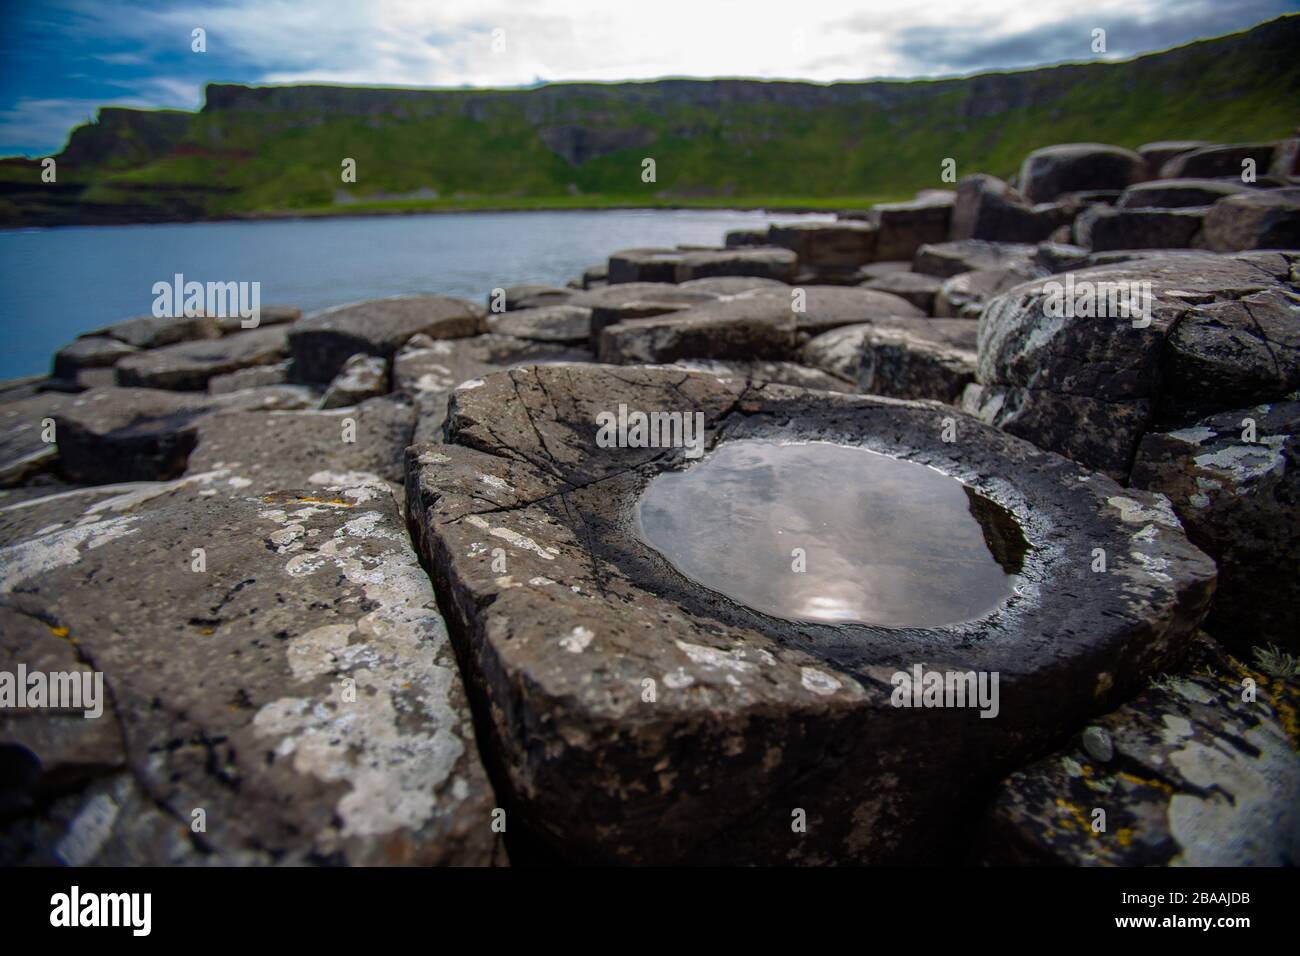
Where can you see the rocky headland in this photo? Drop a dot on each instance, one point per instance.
(369, 586)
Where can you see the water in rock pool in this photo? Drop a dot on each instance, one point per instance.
(885, 541)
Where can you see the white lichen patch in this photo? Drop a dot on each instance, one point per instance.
(1147, 535)
(1251, 792)
(819, 682)
(1153, 566)
(577, 640)
(392, 734)
(678, 679)
(38, 556)
(1196, 435)
(523, 542)
(1132, 511)
(492, 481)
(358, 486)
(88, 832)
(1241, 464)
(735, 659)
(286, 540)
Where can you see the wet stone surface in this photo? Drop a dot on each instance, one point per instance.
(632, 715)
(883, 541)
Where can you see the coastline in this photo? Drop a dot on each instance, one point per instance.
(809, 206)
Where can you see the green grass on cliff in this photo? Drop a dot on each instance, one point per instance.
(755, 152)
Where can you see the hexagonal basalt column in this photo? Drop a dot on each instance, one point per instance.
(633, 714)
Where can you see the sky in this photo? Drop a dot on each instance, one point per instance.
(60, 61)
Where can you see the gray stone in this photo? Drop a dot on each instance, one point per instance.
(428, 371)
(1061, 257)
(738, 238)
(1200, 778)
(1157, 154)
(255, 376)
(752, 718)
(266, 315)
(188, 366)
(528, 297)
(964, 295)
(95, 351)
(726, 286)
(637, 300)
(915, 287)
(755, 327)
(111, 435)
(362, 377)
(1097, 744)
(321, 343)
(681, 265)
(945, 259)
(906, 226)
(553, 323)
(1101, 433)
(1179, 193)
(268, 450)
(1218, 161)
(1089, 387)
(778, 373)
(301, 690)
(878, 270)
(151, 332)
(825, 307)
(1261, 219)
(1072, 167)
(1103, 228)
(827, 246)
(24, 452)
(1238, 502)
(987, 208)
(904, 358)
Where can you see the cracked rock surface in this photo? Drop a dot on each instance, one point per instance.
(561, 616)
(298, 689)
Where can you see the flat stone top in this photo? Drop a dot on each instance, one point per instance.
(391, 318)
(298, 686)
(523, 456)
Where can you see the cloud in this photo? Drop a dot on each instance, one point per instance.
(944, 50)
(138, 51)
(32, 121)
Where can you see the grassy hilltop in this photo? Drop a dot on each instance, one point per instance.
(268, 151)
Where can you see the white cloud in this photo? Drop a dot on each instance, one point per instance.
(415, 43)
(44, 120)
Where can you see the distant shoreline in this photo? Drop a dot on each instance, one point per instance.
(368, 212)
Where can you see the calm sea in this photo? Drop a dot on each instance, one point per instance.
(57, 283)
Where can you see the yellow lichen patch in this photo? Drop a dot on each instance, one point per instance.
(1140, 782)
(1074, 817)
(339, 502)
(1274, 692)
(59, 631)
(1125, 836)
